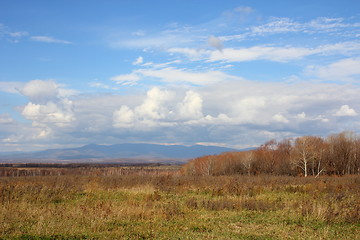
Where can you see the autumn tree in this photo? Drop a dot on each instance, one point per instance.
(344, 153)
(309, 155)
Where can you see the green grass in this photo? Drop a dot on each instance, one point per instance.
(179, 207)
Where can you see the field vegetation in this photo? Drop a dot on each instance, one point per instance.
(306, 188)
(163, 203)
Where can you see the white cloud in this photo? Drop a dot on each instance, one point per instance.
(48, 39)
(328, 24)
(60, 114)
(49, 109)
(40, 90)
(342, 70)
(348, 48)
(270, 53)
(222, 111)
(345, 110)
(246, 109)
(280, 118)
(192, 53)
(321, 118)
(11, 87)
(159, 108)
(123, 118)
(277, 25)
(277, 54)
(174, 75)
(208, 120)
(138, 61)
(191, 106)
(101, 85)
(154, 106)
(126, 79)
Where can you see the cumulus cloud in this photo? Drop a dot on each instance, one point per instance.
(215, 112)
(154, 106)
(345, 110)
(160, 107)
(40, 90)
(260, 104)
(152, 109)
(238, 103)
(246, 109)
(123, 118)
(219, 105)
(48, 108)
(191, 106)
(59, 114)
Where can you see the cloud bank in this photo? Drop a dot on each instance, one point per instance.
(226, 111)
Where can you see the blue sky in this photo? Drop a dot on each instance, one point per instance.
(229, 73)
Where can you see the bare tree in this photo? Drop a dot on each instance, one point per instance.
(305, 153)
(247, 161)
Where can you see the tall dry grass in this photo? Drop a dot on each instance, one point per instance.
(179, 207)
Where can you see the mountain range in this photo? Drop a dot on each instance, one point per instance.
(122, 153)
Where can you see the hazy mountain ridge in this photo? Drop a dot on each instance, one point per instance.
(128, 151)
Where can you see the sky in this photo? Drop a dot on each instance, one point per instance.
(227, 73)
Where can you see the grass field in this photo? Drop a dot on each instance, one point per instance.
(172, 206)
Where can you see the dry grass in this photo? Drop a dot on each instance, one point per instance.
(179, 207)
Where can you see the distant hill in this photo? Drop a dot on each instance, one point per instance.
(129, 152)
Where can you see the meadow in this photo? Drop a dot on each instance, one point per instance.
(163, 203)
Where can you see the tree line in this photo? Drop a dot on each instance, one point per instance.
(337, 154)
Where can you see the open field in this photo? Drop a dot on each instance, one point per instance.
(164, 204)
